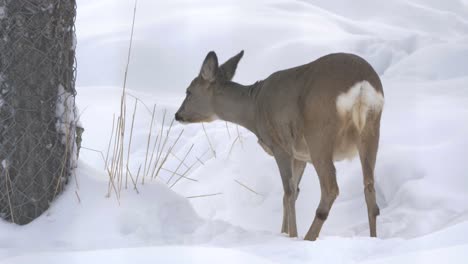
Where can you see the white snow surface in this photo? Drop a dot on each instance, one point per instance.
(420, 50)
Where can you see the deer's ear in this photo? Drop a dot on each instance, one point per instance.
(210, 67)
(229, 67)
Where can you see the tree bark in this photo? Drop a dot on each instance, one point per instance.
(38, 118)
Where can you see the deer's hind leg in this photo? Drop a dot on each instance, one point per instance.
(329, 191)
(368, 146)
(321, 144)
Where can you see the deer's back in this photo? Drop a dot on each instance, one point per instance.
(291, 98)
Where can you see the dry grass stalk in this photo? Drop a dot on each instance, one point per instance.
(111, 181)
(203, 195)
(232, 146)
(118, 157)
(133, 181)
(77, 196)
(76, 180)
(190, 168)
(179, 159)
(167, 154)
(138, 175)
(94, 150)
(247, 187)
(106, 166)
(112, 184)
(199, 160)
(227, 128)
(158, 142)
(110, 172)
(122, 147)
(130, 141)
(148, 145)
(183, 175)
(161, 131)
(209, 141)
(130, 46)
(180, 164)
(152, 155)
(160, 151)
(110, 141)
(139, 100)
(240, 137)
(114, 159)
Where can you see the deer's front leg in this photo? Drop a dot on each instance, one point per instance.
(285, 224)
(298, 167)
(285, 166)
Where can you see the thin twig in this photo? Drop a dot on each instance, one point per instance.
(239, 135)
(160, 151)
(130, 45)
(179, 159)
(227, 128)
(183, 175)
(180, 164)
(246, 187)
(111, 182)
(138, 175)
(94, 150)
(141, 101)
(152, 155)
(199, 160)
(209, 142)
(76, 180)
(167, 154)
(203, 155)
(77, 196)
(232, 146)
(180, 175)
(203, 195)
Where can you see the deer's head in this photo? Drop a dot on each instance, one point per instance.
(198, 106)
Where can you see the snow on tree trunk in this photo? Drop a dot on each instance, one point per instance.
(38, 118)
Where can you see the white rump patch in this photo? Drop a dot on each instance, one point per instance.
(358, 101)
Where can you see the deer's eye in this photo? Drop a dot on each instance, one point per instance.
(188, 93)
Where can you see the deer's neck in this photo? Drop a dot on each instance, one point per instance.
(236, 103)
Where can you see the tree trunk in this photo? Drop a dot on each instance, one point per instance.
(38, 118)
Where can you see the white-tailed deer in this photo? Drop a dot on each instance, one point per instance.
(320, 112)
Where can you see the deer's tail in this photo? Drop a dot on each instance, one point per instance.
(360, 100)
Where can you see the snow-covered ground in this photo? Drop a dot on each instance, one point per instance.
(420, 50)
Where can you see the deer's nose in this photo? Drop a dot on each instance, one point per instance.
(178, 117)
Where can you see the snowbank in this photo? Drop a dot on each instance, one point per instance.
(419, 49)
